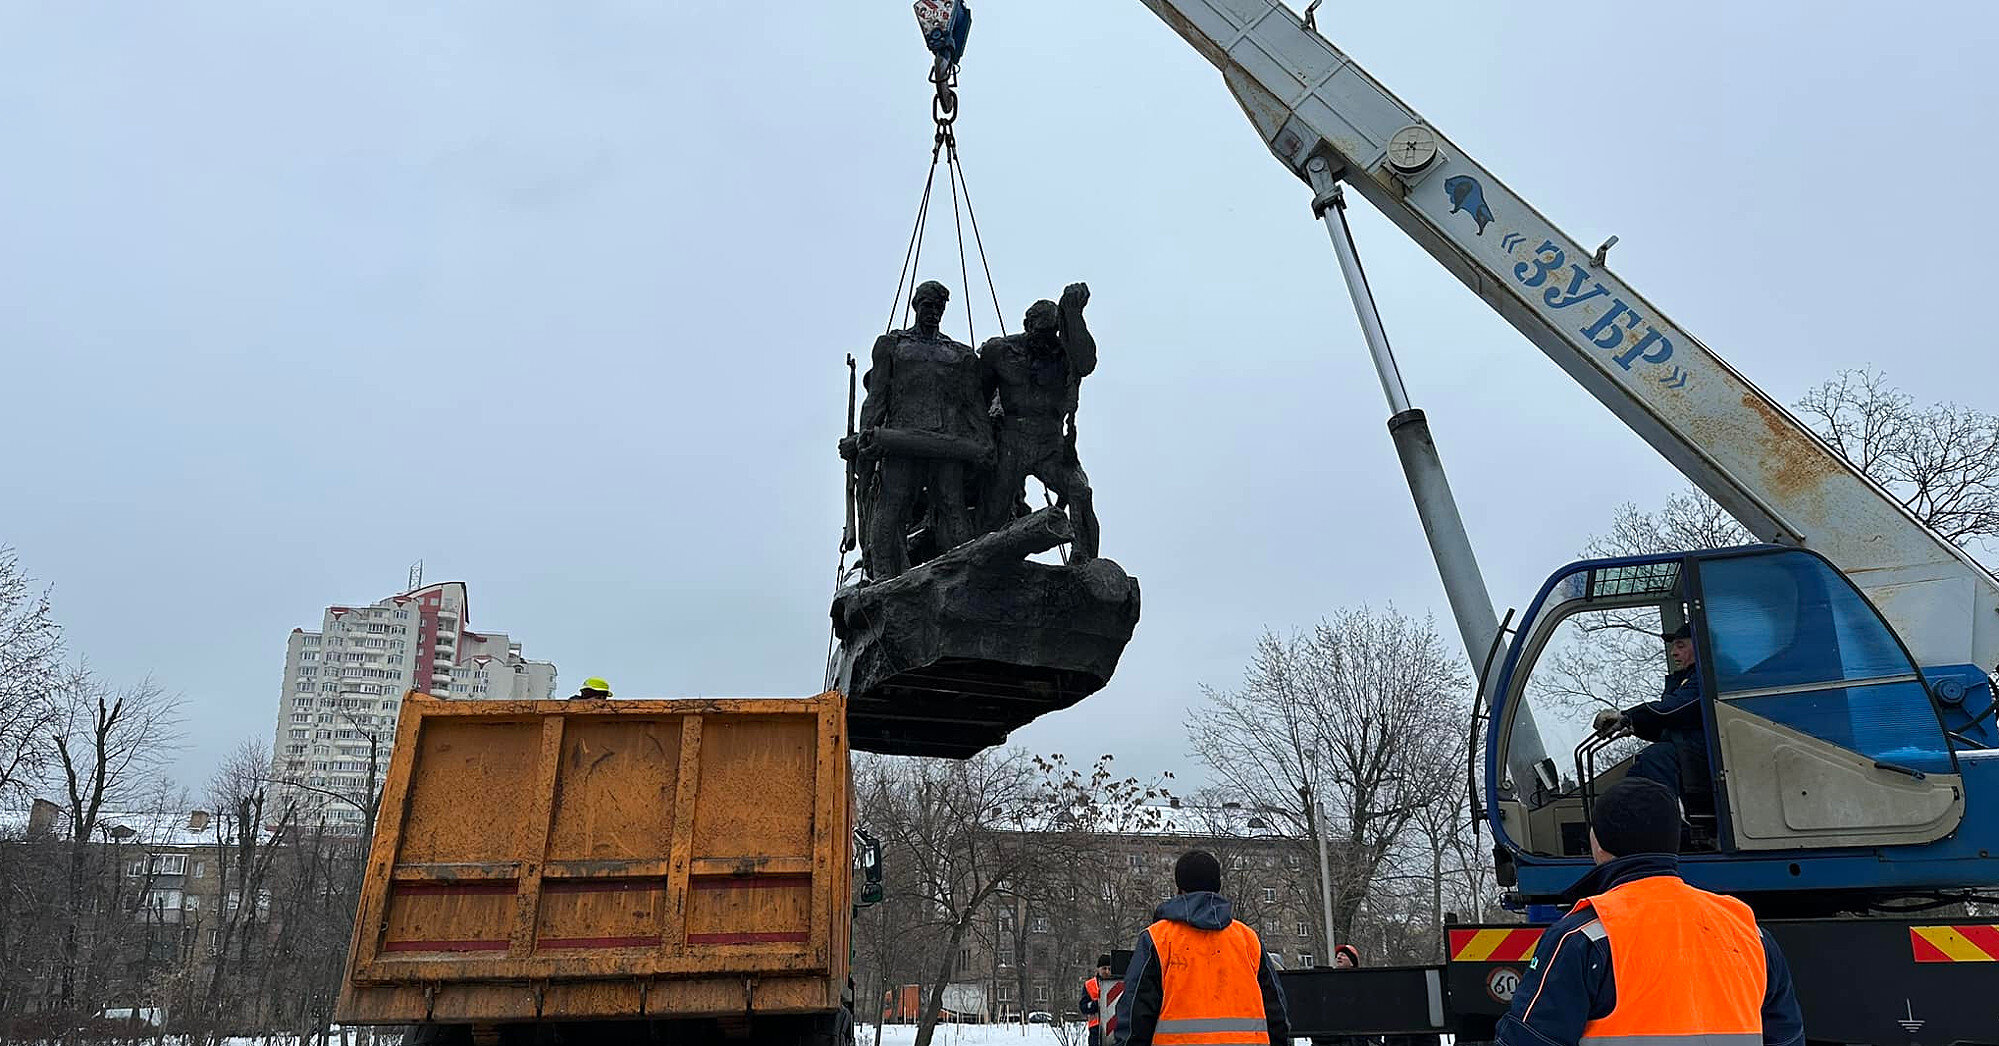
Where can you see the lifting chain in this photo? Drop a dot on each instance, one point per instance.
(944, 104)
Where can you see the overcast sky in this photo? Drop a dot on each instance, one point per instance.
(556, 297)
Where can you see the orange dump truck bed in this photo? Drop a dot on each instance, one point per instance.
(551, 861)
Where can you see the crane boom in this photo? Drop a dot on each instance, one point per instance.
(1309, 101)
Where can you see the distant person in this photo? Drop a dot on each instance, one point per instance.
(593, 689)
(1347, 957)
(1091, 1004)
(1673, 722)
(1198, 977)
(1689, 966)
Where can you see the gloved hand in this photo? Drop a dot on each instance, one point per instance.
(1610, 723)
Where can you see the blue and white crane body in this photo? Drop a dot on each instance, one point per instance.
(1853, 753)
(1324, 117)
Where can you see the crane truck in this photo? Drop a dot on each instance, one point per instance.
(1852, 779)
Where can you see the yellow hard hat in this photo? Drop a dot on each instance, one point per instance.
(594, 683)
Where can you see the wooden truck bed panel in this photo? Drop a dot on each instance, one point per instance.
(689, 851)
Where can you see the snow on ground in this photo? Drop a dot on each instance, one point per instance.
(976, 1035)
(892, 1035)
(994, 1035)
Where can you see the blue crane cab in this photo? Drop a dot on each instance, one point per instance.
(1837, 771)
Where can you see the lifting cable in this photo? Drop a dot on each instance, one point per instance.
(944, 147)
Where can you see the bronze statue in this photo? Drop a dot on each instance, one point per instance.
(956, 635)
(1037, 374)
(923, 430)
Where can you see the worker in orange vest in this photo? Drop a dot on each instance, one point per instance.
(1648, 959)
(1092, 1002)
(1197, 976)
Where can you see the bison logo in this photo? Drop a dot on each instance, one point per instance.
(1466, 195)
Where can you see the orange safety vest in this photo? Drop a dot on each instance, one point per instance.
(1688, 965)
(1209, 995)
(1095, 993)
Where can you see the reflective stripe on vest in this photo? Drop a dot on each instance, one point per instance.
(1209, 995)
(1688, 964)
(1739, 1039)
(1096, 995)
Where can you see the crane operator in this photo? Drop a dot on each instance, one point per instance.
(1672, 723)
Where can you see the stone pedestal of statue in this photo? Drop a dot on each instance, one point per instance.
(948, 657)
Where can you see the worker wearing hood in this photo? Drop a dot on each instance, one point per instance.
(1198, 977)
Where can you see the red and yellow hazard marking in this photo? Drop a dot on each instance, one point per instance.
(1494, 944)
(1962, 942)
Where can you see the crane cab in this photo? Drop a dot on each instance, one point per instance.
(1816, 734)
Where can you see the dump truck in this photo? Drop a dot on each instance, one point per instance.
(592, 870)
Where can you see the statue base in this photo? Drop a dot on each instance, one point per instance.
(949, 657)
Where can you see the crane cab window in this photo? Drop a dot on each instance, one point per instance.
(1591, 645)
(1795, 644)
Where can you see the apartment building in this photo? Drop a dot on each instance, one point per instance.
(344, 684)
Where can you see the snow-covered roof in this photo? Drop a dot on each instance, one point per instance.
(136, 828)
(1227, 820)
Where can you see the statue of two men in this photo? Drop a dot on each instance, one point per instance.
(948, 437)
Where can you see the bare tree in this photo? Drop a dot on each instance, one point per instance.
(314, 880)
(1083, 888)
(895, 941)
(109, 746)
(246, 844)
(30, 670)
(964, 829)
(1454, 867)
(1687, 522)
(31, 892)
(1941, 461)
(1366, 714)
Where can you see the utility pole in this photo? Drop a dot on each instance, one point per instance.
(1325, 866)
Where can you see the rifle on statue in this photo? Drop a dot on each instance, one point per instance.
(848, 536)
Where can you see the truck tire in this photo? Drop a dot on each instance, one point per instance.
(834, 1029)
(439, 1035)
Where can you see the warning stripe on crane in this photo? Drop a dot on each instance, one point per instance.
(1494, 944)
(1956, 943)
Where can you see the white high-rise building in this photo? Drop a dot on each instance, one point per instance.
(344, 684)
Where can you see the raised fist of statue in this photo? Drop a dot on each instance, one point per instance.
(1075, 295)
(850, 446)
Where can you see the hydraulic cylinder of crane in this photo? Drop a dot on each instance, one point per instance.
(1450, 546)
